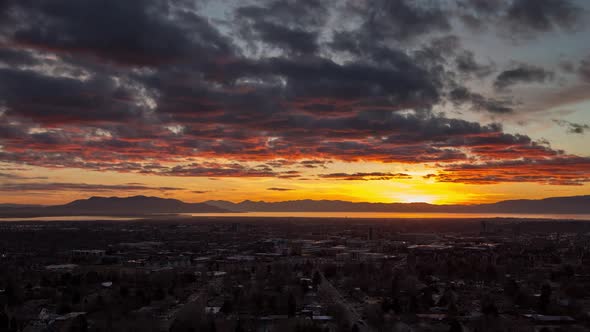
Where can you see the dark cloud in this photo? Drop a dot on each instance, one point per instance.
(322, 78)
(467, 65)
(364, 136)
(529, 16)
(220, 170)
(567, 66)
(52, 99)
(289, 175)
(63, 186)
(134, 32)
(483, 7)
(573, 128)
(363, 176)
(429, 176)
(517, 19)
(292, 40)
(401, 20)
(478, 102)
(584, 69)
(562, 170)
(10, 131)
(522, 74)
(301, 13)
(279, 189)
(292, 26)
(11, 57)
(11, 176)
(314, 163)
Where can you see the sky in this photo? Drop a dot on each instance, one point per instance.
(445, 102)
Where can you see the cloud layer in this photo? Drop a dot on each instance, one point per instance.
(275, 88)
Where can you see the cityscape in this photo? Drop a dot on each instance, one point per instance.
(294, 165)
(272, 274)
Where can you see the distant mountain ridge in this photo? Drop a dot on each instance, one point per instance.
(112, 206)
(557, 205)
(136, 204)
(10, 205)
(145, 205)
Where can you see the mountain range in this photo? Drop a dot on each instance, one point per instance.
(144, 205)
(113, 206)
(556, 205)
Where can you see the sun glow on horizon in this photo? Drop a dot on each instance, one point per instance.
(413, 190)
(409, 198)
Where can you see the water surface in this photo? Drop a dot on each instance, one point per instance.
(392, 215)
(351, 215)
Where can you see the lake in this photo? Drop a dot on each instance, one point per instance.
(391, 215)
(351, 215)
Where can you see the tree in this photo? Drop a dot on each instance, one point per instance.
(488, 307)
(4, 321)
(63, 307)
(13, 323)
(426, 298)
(180, 325)
(226, 307)
(386, 305)
(212, 327)
(491, 272)
(291, 305)
(124, 291)
(159, 294)
(394, 285)
(239, 327)
(511, 288)
(568, 271)
(92, 277)
(76, 296)
(317, 279)
(455, 326)
(80, 324)
(12, 293)
(545, 298)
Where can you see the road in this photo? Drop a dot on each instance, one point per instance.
(186, 308)
(352, 314)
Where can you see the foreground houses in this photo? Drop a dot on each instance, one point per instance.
(316, 275)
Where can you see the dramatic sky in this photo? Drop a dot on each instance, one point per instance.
(450, 101)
